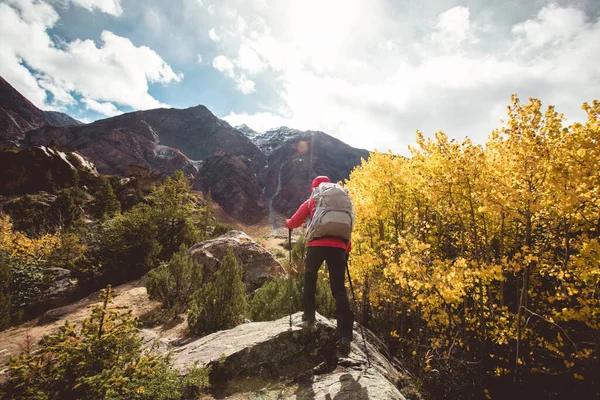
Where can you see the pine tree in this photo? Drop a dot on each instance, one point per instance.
(206, 215)
(220, 304)
(65, 210)
(103, 359)
(105, 204)
(174, 212)
(174, 282)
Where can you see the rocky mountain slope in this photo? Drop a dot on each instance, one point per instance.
(195, 131)
(60, 119)
(113, 149)
(41, 169)
(295, 157)
(17, 114)
(249, 174)
(232, 182)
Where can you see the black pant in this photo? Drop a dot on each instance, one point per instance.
(336, 262)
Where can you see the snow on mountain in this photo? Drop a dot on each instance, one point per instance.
(270, 140)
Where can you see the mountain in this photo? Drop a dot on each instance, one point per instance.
(249, 173)
(17, 114)
(296, 157)
(113, 150)
(195, 131)
(246, 130)
(232, 182)
(163, 140)
(60, 119)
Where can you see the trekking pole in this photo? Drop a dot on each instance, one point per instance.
(362, 327)
(290, 272)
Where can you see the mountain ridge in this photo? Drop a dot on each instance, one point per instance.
(269, 172)
(60, 119)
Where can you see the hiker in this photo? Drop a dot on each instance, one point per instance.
(331, 243)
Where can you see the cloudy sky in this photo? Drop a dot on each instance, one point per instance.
(368, 72)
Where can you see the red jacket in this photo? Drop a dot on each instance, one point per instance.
(308, 208)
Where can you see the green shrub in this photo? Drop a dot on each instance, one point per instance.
(174, 282)
(271, 301)
(137, 240)
(27, 281)
(103, 359)
(66, 210)
(128, 243)
(221, 228)
(279, 253)
(299, 253)
(323, 298)
(220, 304)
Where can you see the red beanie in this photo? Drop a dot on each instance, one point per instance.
(317, 181)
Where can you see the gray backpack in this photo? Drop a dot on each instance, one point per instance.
(334, 213)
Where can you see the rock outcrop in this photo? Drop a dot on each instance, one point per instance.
(17, 114)
(41, 168)
(304, 357)
(62, 289)
(257, 263)
(113, 150)
(232, 182)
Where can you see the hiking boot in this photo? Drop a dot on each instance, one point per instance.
(344, 347)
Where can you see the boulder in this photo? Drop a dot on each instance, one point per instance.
(257, 263)
(274, 352)
(62, 289)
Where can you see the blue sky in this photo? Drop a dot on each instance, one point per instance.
(369, 73)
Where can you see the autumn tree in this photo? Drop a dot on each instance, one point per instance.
(486, 254)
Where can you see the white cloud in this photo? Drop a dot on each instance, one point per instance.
(225, 66)
(248, 60)
(116, 71)
(241, 24)
(199, 58)
(453, 28)
(213, 35)
(211, 9)
(385, 71)
(245, 85)
(105, 108)
(553, 25)
(152, 20)
(112, 7)
(222, 64)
